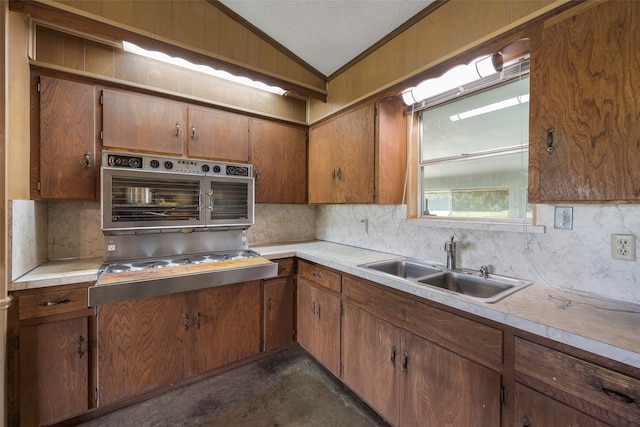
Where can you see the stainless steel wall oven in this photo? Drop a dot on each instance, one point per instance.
(157, 192)
(173, 225)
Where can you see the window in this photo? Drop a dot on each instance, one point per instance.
(474, 149)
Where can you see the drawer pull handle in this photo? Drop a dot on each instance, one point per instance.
(63, 300)
(526, 422)
(80, 346)
(316, 275)
(615, 395)
(393, 355)
(405, 362)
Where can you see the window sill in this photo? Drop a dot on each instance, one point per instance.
(512, 227)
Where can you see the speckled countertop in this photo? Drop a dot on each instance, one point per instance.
(604, 327)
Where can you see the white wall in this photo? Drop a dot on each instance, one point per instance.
(578, 259)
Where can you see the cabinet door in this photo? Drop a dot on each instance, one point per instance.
(278, 313)
(583, 76)
(327, 331)
(371, 356)
(279, 155)
(67, 137)
(535, 409)
(225, 325)
(306, 315)
(141, 346)
(214, 134)
(137, 122)
(342, 158)
(441, 388)
(54, 367)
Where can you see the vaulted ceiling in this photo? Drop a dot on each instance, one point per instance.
(326, 34)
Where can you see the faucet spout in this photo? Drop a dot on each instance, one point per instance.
(450, 249)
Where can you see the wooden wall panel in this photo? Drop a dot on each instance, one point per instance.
(153, 16)
(98, 58)
(187, 22)
(211, 41)
(455, 26)
(119, 10)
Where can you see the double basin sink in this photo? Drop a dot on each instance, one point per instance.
(467, 283)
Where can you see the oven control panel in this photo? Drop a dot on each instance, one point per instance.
(174, 164)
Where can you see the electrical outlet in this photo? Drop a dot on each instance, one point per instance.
(623, 247)
(283, 222)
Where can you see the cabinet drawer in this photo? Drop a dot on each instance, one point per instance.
(599, 386)
(51, 302)
(320, 276)
(285, 267)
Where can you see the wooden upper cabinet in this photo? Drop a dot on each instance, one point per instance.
(66, 165)
(359, 156)
(585, 113)
(214, 134)
(143, 123)
(279, 157)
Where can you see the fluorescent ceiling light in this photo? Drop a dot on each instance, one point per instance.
(456, 77)
(517, 100)
(205, 69)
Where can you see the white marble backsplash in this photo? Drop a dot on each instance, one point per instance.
(282, 223)
(576, 259)
(27, 236)
(74, 230)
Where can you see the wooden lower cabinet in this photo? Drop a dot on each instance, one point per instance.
(141, 346)
(278, 309)
(533, 409)
(318, 324)
(227, 325)
(149, 343)
(411, 381)
(54, 371)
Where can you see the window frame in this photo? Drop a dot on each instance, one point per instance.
(511, 72)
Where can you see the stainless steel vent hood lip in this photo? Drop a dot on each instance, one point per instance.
(136, 289)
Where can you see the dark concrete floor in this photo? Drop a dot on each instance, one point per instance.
(285, 389)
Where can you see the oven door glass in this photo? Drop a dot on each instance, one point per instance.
(230, 201)
(140, 199)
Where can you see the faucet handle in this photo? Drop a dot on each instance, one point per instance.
(484, 271)
(450, 246)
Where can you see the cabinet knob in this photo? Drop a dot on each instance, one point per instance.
(526, 422)
(193, 132)
(177, 128)
(185, 320)
(405, 361)
(87, 160)
(269, 304)
(393, 355)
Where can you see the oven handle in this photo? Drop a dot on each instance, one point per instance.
(210, 205)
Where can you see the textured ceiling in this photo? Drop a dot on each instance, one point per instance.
(327, 34)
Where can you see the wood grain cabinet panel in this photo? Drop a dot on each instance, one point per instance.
(599, 391)
(50, 356)
(359, 156)
(150, 343)
(535, 409)
(411, 381)
(318, 323)
(225, 325)
(320, 276)
(141, 346)
(143, 123)
(278, 309)
(585, 120)
(54, 371)
(219, 135)
(67, 139)
(279, 157)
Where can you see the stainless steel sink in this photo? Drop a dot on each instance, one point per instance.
(483, 289)
(403, 268)
(466, 283)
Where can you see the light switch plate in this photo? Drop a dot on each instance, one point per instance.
(564, 218)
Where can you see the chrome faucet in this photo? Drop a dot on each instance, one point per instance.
(450, 249)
